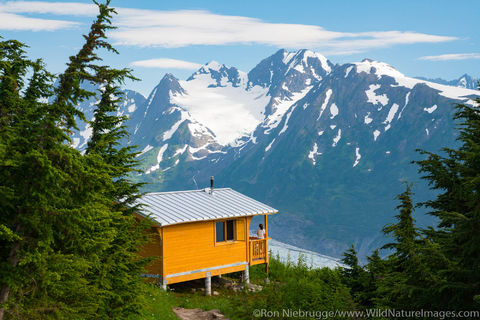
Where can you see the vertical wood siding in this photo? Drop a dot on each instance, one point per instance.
(192, 246)
(153, 249)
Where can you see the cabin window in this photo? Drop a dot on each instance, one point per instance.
(220, 231)
(229, 231)
(225, 230)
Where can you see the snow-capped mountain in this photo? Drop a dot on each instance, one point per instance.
(328, 145)
(464, 81)
(288, 76)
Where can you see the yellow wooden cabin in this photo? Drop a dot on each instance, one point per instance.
(203, 233)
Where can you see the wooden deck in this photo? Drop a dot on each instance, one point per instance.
(258, 251)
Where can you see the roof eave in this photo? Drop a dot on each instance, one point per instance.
(214, 219)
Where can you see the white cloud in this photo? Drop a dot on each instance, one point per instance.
(196, 27)
(166, 63)
(170, 29)
(9, 21)
(451, 56)
(363, 41)
(57, 8)
(181, 28)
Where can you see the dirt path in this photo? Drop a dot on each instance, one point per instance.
(198, 314)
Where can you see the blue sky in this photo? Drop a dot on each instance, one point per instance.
(419, 38)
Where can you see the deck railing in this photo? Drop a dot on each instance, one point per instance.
(258, 249)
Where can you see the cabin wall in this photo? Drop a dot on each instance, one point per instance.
(248, 221)
(190, 248)
(153, 249)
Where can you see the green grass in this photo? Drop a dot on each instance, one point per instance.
(159, 304)
(225, 302)
(293, 285)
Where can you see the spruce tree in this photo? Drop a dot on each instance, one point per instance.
(354, 276)
(352, 270)
(62, 213)
(121, 267)
(13, 68)
(405, 279)
(375, 270)
(455, 174)
(53, 223)
(404, 231)
(362, 281)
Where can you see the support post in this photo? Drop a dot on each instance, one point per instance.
(208, 284)
(267, 281)
(246, 274)
(265, 225)
(266, 249)
(164, 283)
(266, 238)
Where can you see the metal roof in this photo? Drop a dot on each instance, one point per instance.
(167, 208)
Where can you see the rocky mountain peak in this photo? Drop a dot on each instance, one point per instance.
(271, 70)
(168, 83)
(378, 68)
(219, 75)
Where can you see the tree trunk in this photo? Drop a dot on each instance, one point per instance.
(5, 291)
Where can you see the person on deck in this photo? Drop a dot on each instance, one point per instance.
(260, 232)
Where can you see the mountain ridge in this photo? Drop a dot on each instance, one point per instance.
(326, 144)
(464, 81)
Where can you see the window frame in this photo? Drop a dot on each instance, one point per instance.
(226, 241)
